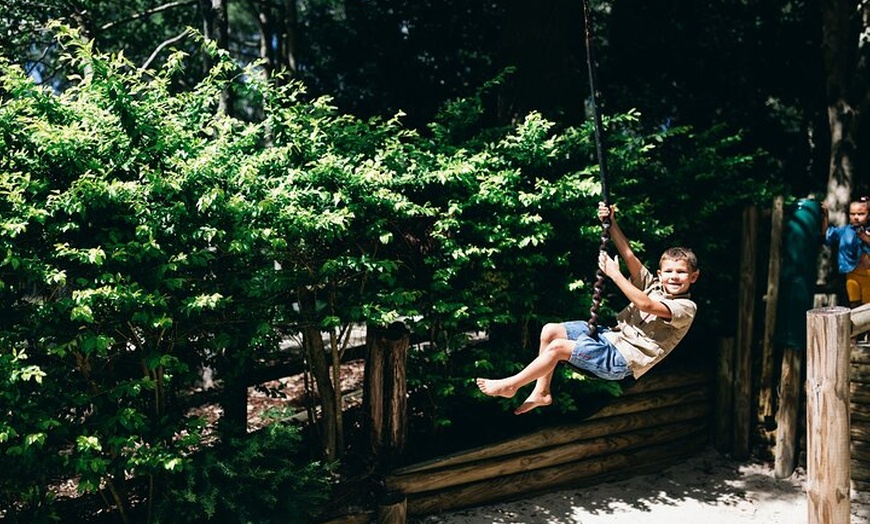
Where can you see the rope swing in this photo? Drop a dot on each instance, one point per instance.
(598, 288)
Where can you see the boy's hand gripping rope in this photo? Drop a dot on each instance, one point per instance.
(602, 170)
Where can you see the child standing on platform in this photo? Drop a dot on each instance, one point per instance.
(853, 250)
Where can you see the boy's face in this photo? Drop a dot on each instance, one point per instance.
(676, 276)
(858, 213)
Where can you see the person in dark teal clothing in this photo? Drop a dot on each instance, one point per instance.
(853, 250)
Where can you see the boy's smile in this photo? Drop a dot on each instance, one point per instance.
(676, 276)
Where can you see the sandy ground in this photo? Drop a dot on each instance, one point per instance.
(707, 489)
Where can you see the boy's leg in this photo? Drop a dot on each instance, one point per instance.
(552, 351)
(540, 396)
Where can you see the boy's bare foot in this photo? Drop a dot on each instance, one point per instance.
(535, 400)
(495, 388)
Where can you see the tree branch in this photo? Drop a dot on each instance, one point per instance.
(164, 44)
(147, 13)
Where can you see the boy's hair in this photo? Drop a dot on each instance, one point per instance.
(861, 200)
(681, 253)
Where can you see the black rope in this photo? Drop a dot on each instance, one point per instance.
(598, 288)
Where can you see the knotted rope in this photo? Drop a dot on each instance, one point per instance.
(598, 288)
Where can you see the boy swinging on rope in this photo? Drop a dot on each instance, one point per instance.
(659, 315)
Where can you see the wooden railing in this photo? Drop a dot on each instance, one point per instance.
(860, 319)
(830, 332)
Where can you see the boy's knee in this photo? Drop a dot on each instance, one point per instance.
(552, 331)
(559, 349)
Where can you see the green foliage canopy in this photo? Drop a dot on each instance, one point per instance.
(144, 235)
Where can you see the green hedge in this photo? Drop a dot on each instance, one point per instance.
(144, 235)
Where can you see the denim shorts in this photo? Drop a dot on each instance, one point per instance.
(598, 356)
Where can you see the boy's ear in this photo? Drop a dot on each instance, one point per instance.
(694, 276)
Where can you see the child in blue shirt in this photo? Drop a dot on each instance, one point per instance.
(853, 250)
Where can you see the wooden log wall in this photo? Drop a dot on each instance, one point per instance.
(860, 417)
(859, 406)
(662, 419)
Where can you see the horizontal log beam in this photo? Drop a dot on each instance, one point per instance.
(660, 380)
(641, 403)
(859, 412)
(860, 319)
(860, 430)
(621, 407)
(582, 472)
(859, 373)
(860, 354)
(860, 451)
(859, 393)
(539, 459)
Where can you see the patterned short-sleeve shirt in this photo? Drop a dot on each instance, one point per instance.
(644, 339)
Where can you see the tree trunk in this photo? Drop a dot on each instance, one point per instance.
(846, 92)
(234, 402)
(287, 39)
(312, 341)
(215, 22)
(216, 28)
(277, 27)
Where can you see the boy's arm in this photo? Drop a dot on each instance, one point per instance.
(620, 242)
(642, 301)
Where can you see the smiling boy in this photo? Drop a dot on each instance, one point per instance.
(647, 330)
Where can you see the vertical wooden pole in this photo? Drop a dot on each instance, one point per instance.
(745, 327)
(393, 509)
(768, 364)
(785, 453)
(723, 438)
(397, 341)
(828, 439)
(373, 391)
(385, 391)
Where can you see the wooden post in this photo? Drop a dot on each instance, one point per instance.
(373, 391)
(787, 414)
(393, 509)
(723, 438)
(397, 341)
(745, 325)
(768, 364)
(385, 402)
(828, 439)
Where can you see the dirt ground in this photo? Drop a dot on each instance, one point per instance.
(707, 489)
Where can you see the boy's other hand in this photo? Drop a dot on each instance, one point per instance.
(605, 211)
(610, 266)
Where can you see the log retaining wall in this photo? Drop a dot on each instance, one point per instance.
(860, 418)
(659, 421)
